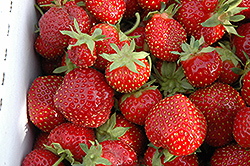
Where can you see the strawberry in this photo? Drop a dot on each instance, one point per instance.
(241, 127)
(132, 7)
(103, 46)
(151, 5)
(58, 19)
(81, 49)
(119, 128)
(246, 12)
(201, 64)
(46, 50)
(164, 34)
(244, 91)
(171, 78)
(127, 70)
(229, 61)
(242, 43)
(41, 139)
(41, 157)
(219, 103)
(230, 155)
(140, 41)
(208, 18)
(106, 11)
(41, 109)
(155, 156)
(177, 125)
(84, 97)
(135, 106)
(109, 152)
(69, 135)
(49, 65)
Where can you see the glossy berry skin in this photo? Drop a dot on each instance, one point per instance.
(219, 103)
(241, 130)
(81, 55)
(136, 106)
(187, 160)
(118, 153)
(103, 46)
(227, 76)
(231, 155)
(41, 139)
(69, 135)
(46, 50)
(106, 11)
(245, 90)
(194, 12)
(163, 35)
(141, 40)
(177, 125)
(123, 80)
(84, 97)
(202, 69)
(242, 43)
(135, 136)
(58, 19)
(41, 109)
(40, 157)
(151, 5)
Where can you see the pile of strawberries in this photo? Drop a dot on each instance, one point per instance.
(142, 82)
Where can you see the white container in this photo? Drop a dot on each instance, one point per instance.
(18, 68)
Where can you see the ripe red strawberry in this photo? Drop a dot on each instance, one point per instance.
(69, 135)
(41, 109)
(246, 12)
(58, 19)
(127, 70)
(177, 125)
(245, 92)
(84, 97)
(132, 7)
(231, 155)
(229, 61)
(119, 128)
(41, 157)
(141, 44)
(109, 152)
(155, 156)
(151, 5)
(135, 106)
(171, 78)
(242, 43)
(46, 50)
(164, 34)
(241, 127)
(208, 18)
(106, 11)
(103, 46)
(41, 139)
(81, 49)
(201, 64)
(219, 103)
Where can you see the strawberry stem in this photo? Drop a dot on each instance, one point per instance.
(138, 20)
(59, 160)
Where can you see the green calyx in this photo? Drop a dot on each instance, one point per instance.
(125, 57)
(193, 48)
(108, 131)
(69, 66)
(226, 53)
(93, 155)
(226, 14)
(83, 38)
(57, 149)
(171, 80)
